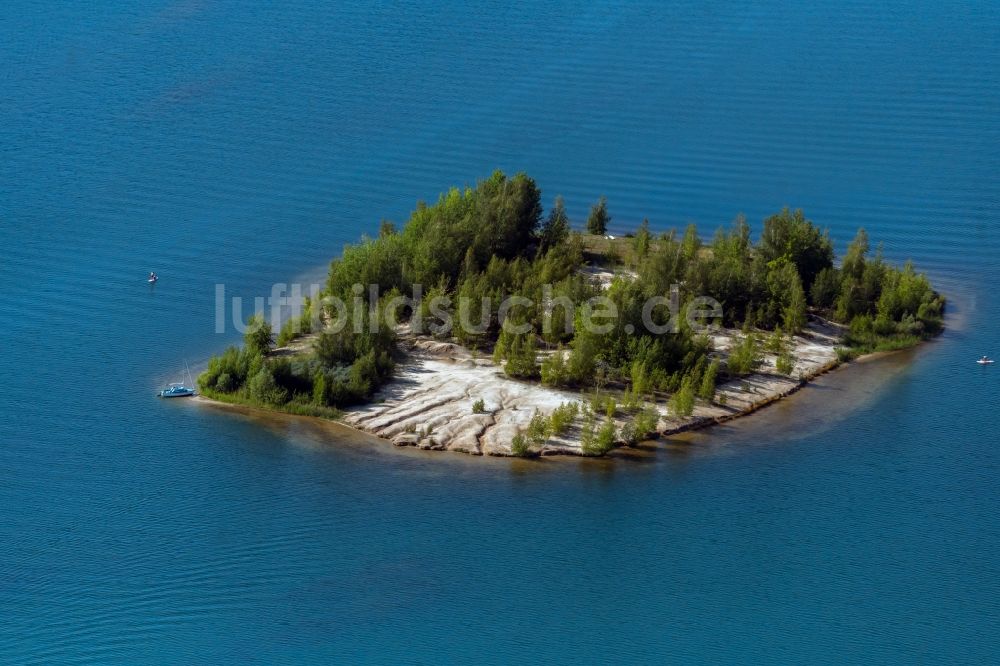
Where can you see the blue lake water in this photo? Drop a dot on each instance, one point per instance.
(245, 143)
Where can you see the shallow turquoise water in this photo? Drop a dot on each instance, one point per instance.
(219, 143)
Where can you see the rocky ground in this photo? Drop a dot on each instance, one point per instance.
(430, 402)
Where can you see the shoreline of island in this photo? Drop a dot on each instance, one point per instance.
(427, 350)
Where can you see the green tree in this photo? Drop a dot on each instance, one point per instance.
(263, 389)
(502, 348)
(786, 303)
(691, 243)
(825, 288)
(507, 213)
(853, 266)
(521, 357)
(554, 371)
(321, 392)
(335, 348)
(642, 240)
(226, 383)
(707, 389)
(471, 294)
(641, 380)
(583, 359)
(853, 299)
(681, 403)
(363, 376)
(556, 229)
(598, 220)
(794, 314)
(789, 234)
(259, 336)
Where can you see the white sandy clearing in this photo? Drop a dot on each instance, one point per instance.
(429, 403)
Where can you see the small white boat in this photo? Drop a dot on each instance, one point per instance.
(986, 360)
(152, 278)
(177, 391)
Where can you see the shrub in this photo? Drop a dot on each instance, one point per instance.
(605, 439)
(226, 383)
(844, 354)
(479, 407)
(239, 364)
(296, 377)
(562, 417)
(631, 402)
(263, 389)
(587, 435)
(785, 364)
(520, 353)
(745, 356)
(293, 328)
(640, 427)
(519, 446)
(628, 434)
(640, 375)
(775, 342)
(603, 404)
(681, 403)
(645, 422)
(321, 392)
(538, 429)
(554, 370)
(288, 332)
(611, 256)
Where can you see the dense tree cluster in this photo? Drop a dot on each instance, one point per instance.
(480, 245)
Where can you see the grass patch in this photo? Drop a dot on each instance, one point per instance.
(882, 344)
(292, 407)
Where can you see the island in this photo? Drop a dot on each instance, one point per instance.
(486, 326)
